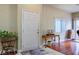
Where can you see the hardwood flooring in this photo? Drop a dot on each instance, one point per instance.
(68, 47)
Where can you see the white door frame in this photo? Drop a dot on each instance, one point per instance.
(38, 24)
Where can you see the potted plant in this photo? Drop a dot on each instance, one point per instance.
(6, 35)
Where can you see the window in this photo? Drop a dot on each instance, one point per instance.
(57, 25)
(60, 25)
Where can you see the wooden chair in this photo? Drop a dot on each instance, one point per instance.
(68, 34)
(78, 32)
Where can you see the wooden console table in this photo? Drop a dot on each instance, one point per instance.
(52, 36)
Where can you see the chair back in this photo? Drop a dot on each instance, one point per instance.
(68, 34)
(78, 32)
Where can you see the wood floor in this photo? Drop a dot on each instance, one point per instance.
(68, 47)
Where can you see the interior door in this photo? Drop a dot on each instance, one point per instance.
(30, 29)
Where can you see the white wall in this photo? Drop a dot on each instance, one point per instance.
(4, 17)
(8, 17)
(13, 18)
(49, 15)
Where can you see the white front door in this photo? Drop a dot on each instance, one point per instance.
(30, 28)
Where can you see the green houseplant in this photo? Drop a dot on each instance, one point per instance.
(6, 35)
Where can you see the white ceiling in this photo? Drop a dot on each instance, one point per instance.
(68, 7)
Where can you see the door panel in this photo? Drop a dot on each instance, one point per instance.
(30, 26)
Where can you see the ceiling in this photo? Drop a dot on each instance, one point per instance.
(68, 7)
